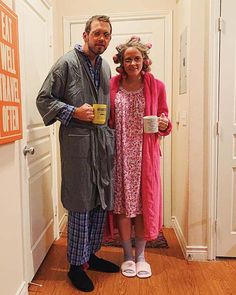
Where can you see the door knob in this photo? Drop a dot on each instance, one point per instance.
(28, 150)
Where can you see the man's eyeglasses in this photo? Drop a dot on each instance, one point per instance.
(136, 59)
(98, 34)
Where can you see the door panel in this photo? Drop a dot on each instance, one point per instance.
(35, 58)
(226, 205)
(155, 29)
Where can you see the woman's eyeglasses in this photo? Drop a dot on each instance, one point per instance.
(136, 59)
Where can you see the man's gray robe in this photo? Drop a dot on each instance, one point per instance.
(86, 149)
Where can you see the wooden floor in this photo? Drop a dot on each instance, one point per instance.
(172, 274)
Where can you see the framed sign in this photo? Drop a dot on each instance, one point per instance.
(10, 90)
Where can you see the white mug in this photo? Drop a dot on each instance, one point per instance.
(150, 124)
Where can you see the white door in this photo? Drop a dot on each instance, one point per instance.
(34, 18)
(226, 204)
(153, 28)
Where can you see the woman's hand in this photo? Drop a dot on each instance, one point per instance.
(163, 122)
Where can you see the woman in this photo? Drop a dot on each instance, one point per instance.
(135, 93)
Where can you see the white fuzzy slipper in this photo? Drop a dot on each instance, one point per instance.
(128, 268)
(143, 269)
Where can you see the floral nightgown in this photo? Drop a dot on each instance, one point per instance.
(129, 112)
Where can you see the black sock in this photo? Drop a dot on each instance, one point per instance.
(80, 279)
(99, 264)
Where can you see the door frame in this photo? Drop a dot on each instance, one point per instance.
(213, 115)
(167, 16)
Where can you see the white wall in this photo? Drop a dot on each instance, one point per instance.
(197, 202)
(189, 187)
(11, 246)
(180, 133)
(11, 251)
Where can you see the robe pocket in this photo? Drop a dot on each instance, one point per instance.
(110, 140)
(110, 145)
(78, 141)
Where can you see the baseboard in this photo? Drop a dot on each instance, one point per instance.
(23, 290)
(63, 223)
(179, 234)
(194, 253)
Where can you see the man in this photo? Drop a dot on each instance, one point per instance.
(79, 79)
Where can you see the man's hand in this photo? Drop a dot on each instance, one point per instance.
(84, 113)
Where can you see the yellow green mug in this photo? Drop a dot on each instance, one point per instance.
(100, 112)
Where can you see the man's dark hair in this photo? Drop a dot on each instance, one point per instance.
(102, 18)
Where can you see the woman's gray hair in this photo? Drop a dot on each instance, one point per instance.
(134, 42)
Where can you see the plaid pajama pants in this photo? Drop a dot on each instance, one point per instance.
(85, 233)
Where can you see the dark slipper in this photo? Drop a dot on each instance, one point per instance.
(80, 280)
(102, 265)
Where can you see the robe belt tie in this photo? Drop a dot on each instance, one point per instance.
(101, 158)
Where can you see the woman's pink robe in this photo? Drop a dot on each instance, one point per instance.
(155, 104)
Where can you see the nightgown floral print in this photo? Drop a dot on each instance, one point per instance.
(129, 112)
